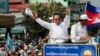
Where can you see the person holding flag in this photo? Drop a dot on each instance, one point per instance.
(93, 13)
(79, 30)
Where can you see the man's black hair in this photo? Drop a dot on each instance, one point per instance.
(57, 14)
(83, 20)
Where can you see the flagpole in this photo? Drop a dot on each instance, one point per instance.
(85, 6)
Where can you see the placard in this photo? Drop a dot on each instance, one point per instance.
(69, 50)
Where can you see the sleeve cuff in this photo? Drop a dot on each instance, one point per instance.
(76, 39)
(37, 19)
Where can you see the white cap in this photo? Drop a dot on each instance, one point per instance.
(84, 17)
(50, 18)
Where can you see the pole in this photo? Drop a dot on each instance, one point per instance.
(85, 6)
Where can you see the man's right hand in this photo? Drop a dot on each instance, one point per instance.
(85, 38)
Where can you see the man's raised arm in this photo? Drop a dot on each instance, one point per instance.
(40, 21)
(66, 21)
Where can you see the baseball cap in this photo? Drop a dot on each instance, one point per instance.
(84, 17)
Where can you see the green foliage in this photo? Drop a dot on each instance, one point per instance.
(45, 11)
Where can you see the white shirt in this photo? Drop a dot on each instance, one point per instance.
(56, 31)
(77, 30)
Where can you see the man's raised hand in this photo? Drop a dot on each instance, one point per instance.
(68, 10)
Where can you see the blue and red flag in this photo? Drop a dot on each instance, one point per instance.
(94, 15)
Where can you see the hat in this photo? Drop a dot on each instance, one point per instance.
(84, 17)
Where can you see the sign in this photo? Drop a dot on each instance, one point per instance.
(69, 50)
(6, 21)
(4, 6)
(16, 6)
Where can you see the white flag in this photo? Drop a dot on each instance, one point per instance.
(28, 11)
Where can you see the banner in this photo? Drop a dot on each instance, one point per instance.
(69, 50)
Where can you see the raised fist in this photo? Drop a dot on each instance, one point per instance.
(68, 10)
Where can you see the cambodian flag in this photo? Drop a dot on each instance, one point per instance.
(94, 15)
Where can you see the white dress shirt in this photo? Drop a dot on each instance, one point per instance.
(78, 31)
(56, 31)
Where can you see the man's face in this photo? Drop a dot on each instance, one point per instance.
(83, 22)
(57, 19)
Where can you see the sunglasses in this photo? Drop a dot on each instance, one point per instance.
(83, 20)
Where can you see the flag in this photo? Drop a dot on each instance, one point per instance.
(94, 15)
(10, 44)
(28, 12)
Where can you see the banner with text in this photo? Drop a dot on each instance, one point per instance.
(69, 50)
